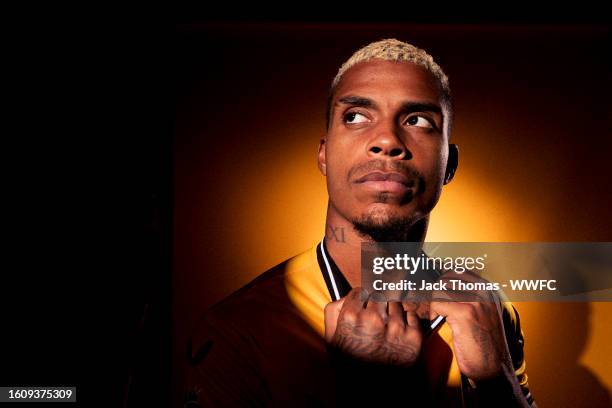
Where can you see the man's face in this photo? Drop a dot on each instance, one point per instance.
(385, 152)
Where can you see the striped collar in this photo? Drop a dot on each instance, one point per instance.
(336, 283)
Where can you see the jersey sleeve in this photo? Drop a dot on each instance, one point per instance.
(516, 343)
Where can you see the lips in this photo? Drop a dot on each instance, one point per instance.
(391, 177)
(389, 182)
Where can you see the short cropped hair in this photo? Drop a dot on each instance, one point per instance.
(395, 50)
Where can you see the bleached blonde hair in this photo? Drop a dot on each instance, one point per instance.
(392, 49)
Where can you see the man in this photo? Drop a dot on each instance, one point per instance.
(304, 333)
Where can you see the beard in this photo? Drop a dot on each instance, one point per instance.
(384, 228)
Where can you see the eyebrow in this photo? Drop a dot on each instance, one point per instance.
(357, 101)
(407, 107)
(410, 107)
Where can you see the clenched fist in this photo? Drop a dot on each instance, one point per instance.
(478, 331)
(374, 331)
(475, 318)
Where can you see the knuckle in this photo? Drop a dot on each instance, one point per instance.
(349, 315)
(394, 328)
(409, 306)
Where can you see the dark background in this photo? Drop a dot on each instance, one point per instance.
(105, 120)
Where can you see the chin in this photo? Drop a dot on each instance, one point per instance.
(384, 213)
(388, 223)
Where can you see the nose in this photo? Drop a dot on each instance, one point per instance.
(387, 143)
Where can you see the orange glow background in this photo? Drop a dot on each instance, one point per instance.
(532, 124)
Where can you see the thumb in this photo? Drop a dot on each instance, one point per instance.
(332, 311)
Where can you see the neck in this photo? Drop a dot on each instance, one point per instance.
(343, 243)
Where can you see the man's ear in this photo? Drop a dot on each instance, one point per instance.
(453, 162)
(321, 158)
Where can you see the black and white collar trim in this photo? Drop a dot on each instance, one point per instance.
(336, 283)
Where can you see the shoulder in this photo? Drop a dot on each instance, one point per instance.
(257, 307)
(238, 339)
(235, 312)
(225, 357)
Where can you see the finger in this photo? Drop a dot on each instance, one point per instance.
(347, 308)
(437, 308)
(464, 280)
(377, 303)
(332, 314)
(453, 311)
(441, 296)
(333, 309)
(354, 300)
(413, 321)
(396, 313)
(356, 295)
(410, 306)
(484, 309)
(422, 310)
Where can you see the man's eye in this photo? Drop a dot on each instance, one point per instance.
(419, 121)
(354, 117)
